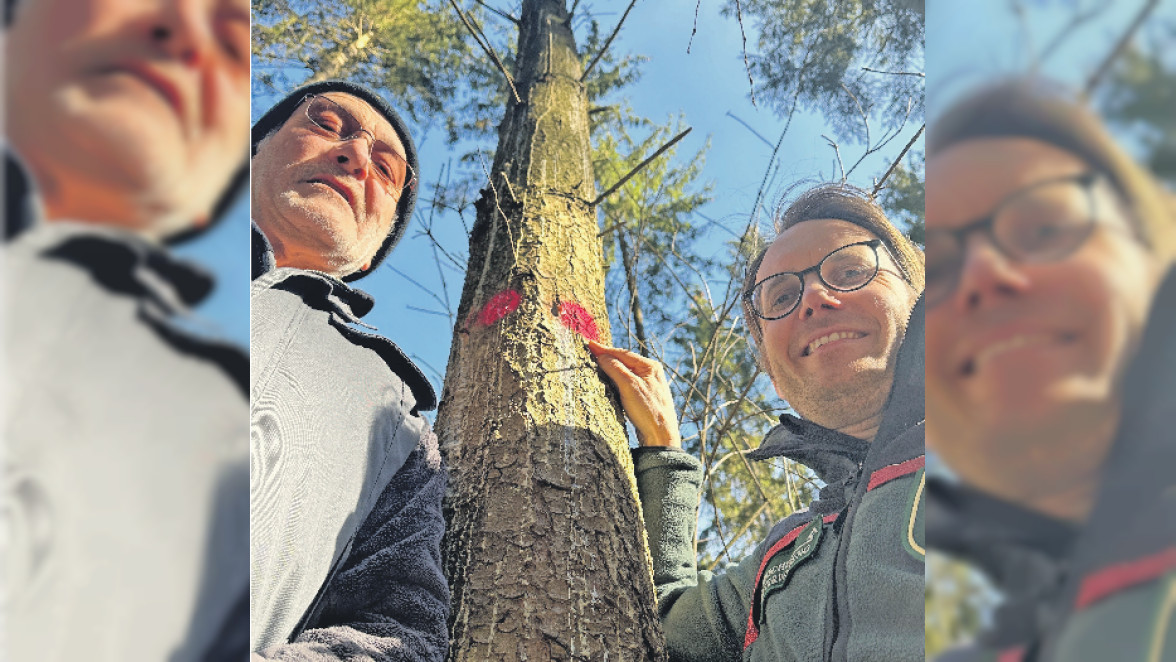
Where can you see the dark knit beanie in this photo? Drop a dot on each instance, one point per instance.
(277, 115)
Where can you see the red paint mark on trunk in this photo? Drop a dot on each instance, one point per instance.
(500, 305)
(573, 316)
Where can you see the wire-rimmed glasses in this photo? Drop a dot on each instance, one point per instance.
(336, 123)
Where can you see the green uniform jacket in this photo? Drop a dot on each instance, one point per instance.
(842, 580)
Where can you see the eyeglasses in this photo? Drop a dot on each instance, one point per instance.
(335, 123)
(846, 269)
(1043, 222)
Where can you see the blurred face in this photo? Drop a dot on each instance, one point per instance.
(1025, 357)
(131, 113)
(319, 200)
(832, 358)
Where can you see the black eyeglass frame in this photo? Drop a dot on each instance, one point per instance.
(411, 176)
(749, 295)
(987, 225)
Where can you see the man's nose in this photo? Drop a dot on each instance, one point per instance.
(183, 29)
(354, 155)
(986, 276)
(817, 297)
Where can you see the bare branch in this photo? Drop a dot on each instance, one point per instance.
(878, 186)
(1120, 46)
(746, 65)
(748, 127)
(501, 13)
(896, 73)
(837, 153)
(1074, 23)
(737, 536)
(641, 165)
(694, 30)
(479, 37)
(607, 42)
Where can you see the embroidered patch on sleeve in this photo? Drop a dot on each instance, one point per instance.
(913, 535)
(780, 567)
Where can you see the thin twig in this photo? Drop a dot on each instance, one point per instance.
(896, 73)
(746, 65)
(1074, 23)
(486, 47)
(1097, 77)
(878, 186)
(607, 42)
(837, 153)
(737, 536)
(693, 31)
(501, 13)
(641, 165)
(748, 127)
(886, 139)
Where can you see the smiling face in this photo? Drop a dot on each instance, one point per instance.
(1025, 359)
(832, 358)
(317, 199)
(130, 112)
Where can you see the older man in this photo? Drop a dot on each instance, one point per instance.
(125, 477)
(829, 304)
(346, 478)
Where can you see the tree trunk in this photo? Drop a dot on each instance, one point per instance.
(545, 548)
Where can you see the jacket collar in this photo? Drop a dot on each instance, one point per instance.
(317, 288)
(22, 206)
(126, 263)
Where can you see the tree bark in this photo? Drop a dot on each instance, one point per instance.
(545, 548)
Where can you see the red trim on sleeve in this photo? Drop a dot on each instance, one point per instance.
(752, 630)
(1012, 655)
(887, 474)
(1102, 583)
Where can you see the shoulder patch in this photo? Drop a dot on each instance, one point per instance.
(794, 548)
(780, 566)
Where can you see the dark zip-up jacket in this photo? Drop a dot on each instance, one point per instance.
(842, 580)
(1104, 590)
(125, 465)
(346, 480)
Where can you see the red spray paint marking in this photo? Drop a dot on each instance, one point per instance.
(500, 305)
(573, 316)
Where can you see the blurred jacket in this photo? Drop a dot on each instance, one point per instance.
(1104, 590)
(125, 467)
(346, 482)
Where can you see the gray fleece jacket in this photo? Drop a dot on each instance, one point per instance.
(346, 482)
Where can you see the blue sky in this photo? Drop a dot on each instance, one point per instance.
(703, 87)
(967, 42)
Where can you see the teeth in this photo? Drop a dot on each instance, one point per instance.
(840, 335)
(1015, 342)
